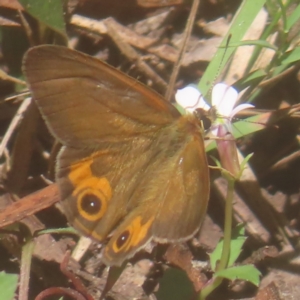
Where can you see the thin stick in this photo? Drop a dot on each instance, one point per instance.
(131, 54)
(187, 34)
(14, 123)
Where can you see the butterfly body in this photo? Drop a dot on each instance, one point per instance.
(131, 168)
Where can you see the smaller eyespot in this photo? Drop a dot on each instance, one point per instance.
(122, 239)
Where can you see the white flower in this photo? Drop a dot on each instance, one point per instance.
(224, 98)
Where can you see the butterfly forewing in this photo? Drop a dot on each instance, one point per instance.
(99, 103)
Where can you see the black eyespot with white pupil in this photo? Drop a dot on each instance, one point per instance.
(122, 239)
(91, 204)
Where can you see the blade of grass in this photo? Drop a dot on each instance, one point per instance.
(240, 24)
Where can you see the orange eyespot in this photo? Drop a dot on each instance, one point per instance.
(92, 193)
(135, 233)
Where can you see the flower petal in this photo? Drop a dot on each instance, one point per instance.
(190, 98)
(224, 98)
(239, 108)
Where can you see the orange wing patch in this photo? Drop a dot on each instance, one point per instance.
(92, 193)
(132, 235)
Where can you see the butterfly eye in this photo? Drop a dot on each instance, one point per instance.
(122, 239)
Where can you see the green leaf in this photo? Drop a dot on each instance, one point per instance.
(49, 12)
(293, 18)
(291, 56)
(8, 285)
(236, 244)
(255, 76)
(249, 125)
(245, 162)
(246, 272)
(240, 24)
(260, 43)
(244, 127)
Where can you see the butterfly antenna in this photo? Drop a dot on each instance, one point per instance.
(194, 106)
(251, 122)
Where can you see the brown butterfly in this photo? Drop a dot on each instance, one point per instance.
(131, 168)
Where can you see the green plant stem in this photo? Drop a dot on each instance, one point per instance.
(27, 252)
(227, 226)
(215, 282)
(68, 230)
(226, 241)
